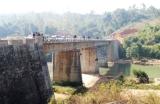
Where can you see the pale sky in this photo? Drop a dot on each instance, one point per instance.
(75, 6)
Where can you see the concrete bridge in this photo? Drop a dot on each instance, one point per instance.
(24, 75)
(72, 57)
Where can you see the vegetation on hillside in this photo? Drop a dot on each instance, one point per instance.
(144, 45)
(91, 24)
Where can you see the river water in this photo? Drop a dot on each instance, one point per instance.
(126, 69)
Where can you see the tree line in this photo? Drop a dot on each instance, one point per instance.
(92, 25)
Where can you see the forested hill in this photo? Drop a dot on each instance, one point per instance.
(91, 24)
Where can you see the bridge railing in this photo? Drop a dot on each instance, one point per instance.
(73, 40)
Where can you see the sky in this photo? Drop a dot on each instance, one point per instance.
(75, 6)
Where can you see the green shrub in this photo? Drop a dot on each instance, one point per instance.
(141, 75)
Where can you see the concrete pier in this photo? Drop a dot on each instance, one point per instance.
(67, 67)
(89, 60)
(112, 51)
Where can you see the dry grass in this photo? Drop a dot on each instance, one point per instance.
(147, 99)
(103, 94)
(151, 99)
(109, 92)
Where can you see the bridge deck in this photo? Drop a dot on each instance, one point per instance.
(65, 45)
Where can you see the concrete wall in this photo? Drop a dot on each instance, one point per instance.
(15, 42)
(24, 77)
(3, 42)
(19, 41)
(29, 41)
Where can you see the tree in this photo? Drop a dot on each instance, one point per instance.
(122, 53)
(128, 52)
(133, 51)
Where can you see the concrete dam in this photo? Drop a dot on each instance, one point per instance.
(25, 77)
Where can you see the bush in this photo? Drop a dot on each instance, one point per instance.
(141, 75)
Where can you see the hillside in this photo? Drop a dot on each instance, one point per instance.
(145, 43)
(134, 28)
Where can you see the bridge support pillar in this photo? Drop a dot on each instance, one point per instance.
(102, 56)
(67, 67)
(112, 51)
(89, 60)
